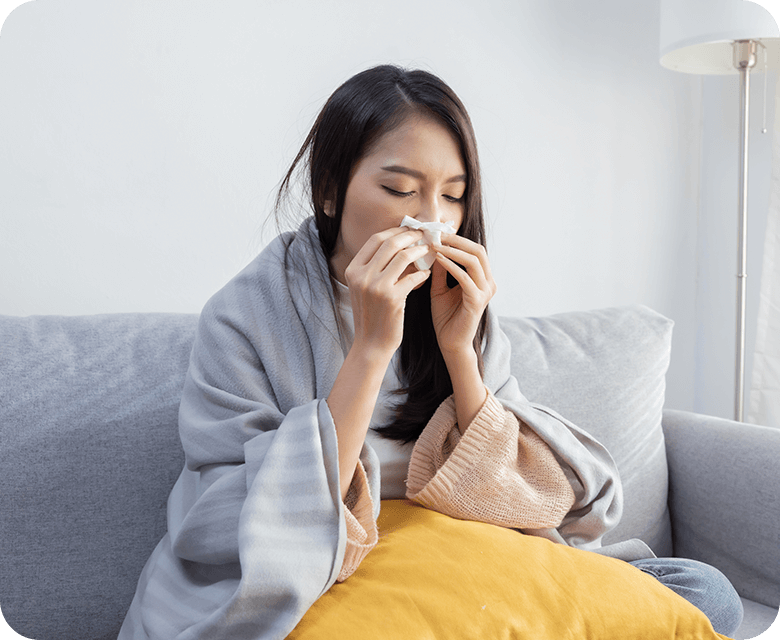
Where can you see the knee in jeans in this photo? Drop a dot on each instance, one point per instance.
(703, 586)
(719, 600)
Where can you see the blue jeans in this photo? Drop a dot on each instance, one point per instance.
(700, 584)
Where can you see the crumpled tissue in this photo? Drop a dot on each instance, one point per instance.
(432, 235)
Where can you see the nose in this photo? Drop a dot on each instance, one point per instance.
(430, 211)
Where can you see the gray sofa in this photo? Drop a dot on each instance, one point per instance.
(89, 450)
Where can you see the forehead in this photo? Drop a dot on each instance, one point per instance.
(420, 141)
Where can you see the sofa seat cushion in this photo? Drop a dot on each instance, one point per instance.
(605, 371)
(758, 618)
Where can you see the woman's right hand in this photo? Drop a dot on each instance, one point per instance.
(379, 281)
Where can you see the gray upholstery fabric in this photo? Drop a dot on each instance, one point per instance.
(89, 447)
(725, 504)
(89, 452)
(758, 618)
(605, 371)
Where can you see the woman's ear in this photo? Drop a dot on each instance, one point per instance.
(328, 207)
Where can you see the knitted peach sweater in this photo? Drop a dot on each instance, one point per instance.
(498, 471)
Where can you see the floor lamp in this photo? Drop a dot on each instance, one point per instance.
(724, 37)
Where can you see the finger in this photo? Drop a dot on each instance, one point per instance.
(466, 282)
(382, 246)
(401, 260)
(469, 246)
(471, 263)
(406, 284)
(370, 247)
(476, 295)
(384, 279)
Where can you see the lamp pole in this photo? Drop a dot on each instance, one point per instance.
(744, 60)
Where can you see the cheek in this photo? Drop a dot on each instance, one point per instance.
(371, 214)
(358, 223)
(458, 218)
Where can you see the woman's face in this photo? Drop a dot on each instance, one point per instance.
(414, 170)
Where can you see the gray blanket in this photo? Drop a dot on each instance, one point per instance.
(256, 527)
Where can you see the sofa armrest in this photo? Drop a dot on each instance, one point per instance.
(724, 498)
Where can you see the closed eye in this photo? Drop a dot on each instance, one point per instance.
(400, 194)
(407, 194)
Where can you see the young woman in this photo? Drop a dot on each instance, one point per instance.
(333, 372)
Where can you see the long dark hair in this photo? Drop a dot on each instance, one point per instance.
(360, 111)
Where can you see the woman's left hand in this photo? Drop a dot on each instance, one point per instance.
(456, 312)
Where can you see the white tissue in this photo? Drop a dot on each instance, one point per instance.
(431, 235)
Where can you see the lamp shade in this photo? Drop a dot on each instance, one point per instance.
(697, 35)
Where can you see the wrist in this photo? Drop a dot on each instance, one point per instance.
(464, 372)
(468, 389)
(370, 357)
(459, 358)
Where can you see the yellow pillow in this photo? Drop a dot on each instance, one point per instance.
(432, 576)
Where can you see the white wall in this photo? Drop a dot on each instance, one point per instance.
(141, 141)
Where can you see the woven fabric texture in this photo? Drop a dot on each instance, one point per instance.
(499, 471)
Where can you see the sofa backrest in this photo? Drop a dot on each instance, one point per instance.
(605, 370)
(89, 445)
(89, 450)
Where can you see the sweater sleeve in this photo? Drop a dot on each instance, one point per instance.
(499, 471)
(362, 532)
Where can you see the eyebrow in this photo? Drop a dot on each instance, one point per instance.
(394, 168)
